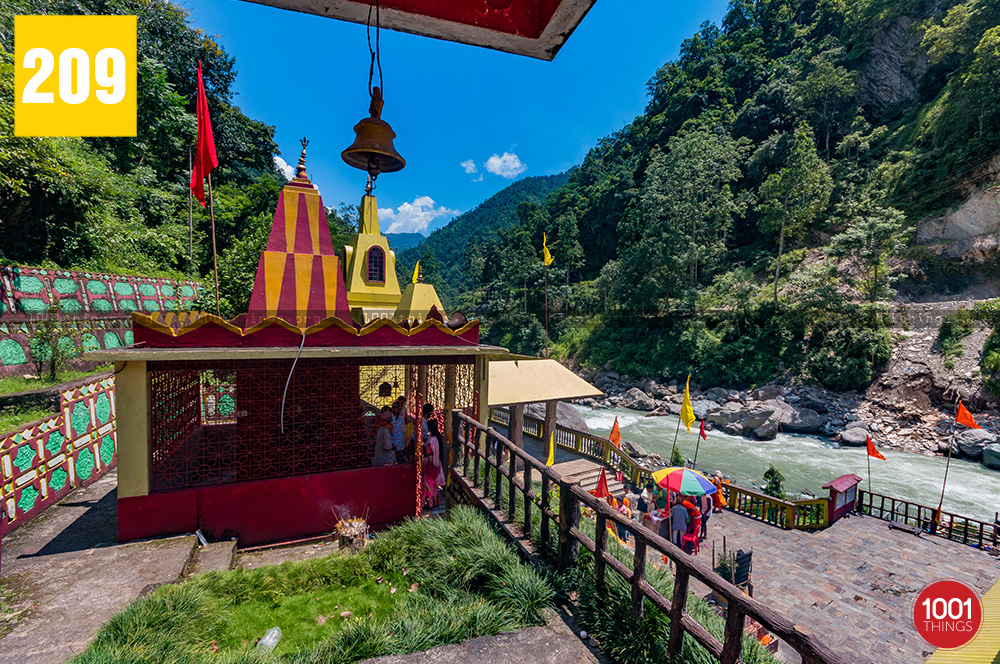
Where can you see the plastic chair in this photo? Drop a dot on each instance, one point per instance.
(690, 538)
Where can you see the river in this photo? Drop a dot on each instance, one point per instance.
(809, 462)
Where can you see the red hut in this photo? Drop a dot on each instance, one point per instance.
(262, 427)
(843, 494)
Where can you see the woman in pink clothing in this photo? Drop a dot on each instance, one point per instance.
(433, 472)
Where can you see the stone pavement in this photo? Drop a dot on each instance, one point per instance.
(67, 574)
(853, 585)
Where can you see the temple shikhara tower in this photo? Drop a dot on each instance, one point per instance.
(370, 268)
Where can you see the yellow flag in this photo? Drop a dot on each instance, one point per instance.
(545, 251)
(687, 412)
(552, 449)
(416, 271)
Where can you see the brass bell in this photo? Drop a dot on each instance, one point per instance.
(372, 149)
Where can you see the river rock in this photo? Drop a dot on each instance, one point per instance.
(703, 407)
(660, 411)
(567, 416)
(768, 429)
(634, 450)
(855, 437)
(717, 394)
(991, 456)
(729, 418)
(795, 419)
(766, 392)
(971, 442)
(636, 399)
(818, 406)
(857, 424)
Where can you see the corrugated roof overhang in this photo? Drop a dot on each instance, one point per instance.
(533, 380)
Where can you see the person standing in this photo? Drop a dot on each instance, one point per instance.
(433, 474)
(399, 421)
(706, 511)
(385, 451)
(678, 521)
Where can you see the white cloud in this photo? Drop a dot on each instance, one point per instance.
(414, 217)
(508, 166)
(479, 179)
(469, 166)
(283, 166)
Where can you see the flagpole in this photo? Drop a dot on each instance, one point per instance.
(677, 431)
(190, 217)
(869, 473)
(546, 269)
(215, 254)
(697, 445)
(951, 443)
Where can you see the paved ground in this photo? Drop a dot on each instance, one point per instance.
(66, 574)
(853, 585)
(552, 643)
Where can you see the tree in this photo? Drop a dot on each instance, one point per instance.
(791, 199)
(687, 191)
(775, 482)
(825, 92)
(867, 245)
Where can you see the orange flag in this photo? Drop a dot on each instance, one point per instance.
(872, 451)
(616, 435)
(702, 433)
(602, 487)
(963, 416)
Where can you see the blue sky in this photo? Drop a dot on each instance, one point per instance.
(503, 116)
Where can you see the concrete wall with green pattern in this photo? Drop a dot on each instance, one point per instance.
(96, 308)
(43, 461)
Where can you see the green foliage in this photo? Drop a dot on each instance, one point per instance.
(465, 581)
(676, 458)
(954, 327)
(844, 352)
(52, 344)
(775, 482)
(867, 247)
(12, 417)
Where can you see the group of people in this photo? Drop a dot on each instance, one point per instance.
(395, 441)
(676, 516)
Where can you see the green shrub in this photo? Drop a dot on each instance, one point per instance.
(954, 327)
(844, 357)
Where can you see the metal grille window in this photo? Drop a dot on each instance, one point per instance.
(219, 422)
(376, 265)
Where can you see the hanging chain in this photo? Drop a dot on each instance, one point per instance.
(376, 59)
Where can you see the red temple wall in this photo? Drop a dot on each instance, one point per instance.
(274, 510)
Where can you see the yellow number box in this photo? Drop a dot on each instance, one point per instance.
(74, 75)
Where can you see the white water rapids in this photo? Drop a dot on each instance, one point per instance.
(809, 462)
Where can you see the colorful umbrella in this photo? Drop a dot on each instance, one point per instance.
(684, 481)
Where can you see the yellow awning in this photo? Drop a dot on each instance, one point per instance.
(529, 381)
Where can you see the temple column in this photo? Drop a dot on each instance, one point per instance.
(132, 424)
(516, 428)
(549, 427)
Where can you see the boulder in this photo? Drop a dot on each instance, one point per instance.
(854, 437)
(703, 407)
(991, 456)
(567, 416)
(636, 399)
(717, 394)
(766, 392)
(818, 406)
(729, 418)
(768, 429)
(634, 450)
(857, 424)
(661, 411)
(971, 442)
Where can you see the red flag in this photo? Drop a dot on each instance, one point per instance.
(965, 417)
(702, 432)
(872, 451)
(616, 435)
(602, 486)
(204, 153)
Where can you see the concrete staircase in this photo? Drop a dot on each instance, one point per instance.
(216, 556)
(586, 473)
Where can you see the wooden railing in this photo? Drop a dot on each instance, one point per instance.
(768, 509)
(812, 514)
(482, 453)
(955, 527)
(584, 444)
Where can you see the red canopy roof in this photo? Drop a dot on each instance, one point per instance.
(536, 28)
(843, 483)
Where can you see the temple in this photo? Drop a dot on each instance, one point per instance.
(262, 427)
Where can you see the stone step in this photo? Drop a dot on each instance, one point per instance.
(216, 556)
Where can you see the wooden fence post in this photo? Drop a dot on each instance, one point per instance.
(600, 544)
(569, 517)
(499, 465)
(527, 500)
(486, 466)
(732, 640)
(544, 536)
(676, 643)
(511, 487)
(638, 576)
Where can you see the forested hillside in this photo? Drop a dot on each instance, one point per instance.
(452, 257)
(121, 204)
(754, 219)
